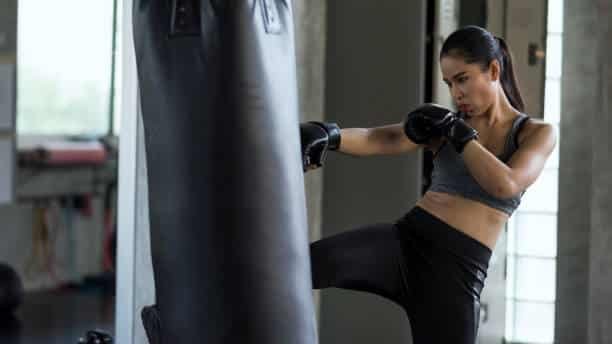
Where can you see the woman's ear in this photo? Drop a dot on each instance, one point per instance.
(494, 70)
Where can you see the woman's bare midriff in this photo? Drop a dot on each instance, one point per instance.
(475, 219)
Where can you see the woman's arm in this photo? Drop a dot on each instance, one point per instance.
(525, 165)
(384, 140)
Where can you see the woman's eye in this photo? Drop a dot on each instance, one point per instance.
(463, 79)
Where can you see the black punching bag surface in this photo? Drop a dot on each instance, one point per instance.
(227, 208)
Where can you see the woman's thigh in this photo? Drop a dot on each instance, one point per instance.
(446, 319)
(365, 259)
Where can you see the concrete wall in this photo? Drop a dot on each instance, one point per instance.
(375, 58)
(584, 265)
(310, 28)
(8, 89)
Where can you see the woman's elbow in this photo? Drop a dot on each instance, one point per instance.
(505, 190)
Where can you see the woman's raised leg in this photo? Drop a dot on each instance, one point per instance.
(366, 259)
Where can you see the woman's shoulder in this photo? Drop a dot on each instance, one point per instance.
(532, 126)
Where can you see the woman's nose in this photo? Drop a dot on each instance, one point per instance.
(456, 93)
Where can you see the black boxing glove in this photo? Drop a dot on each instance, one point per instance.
(427, 122)
(316, 139)
(459, 133)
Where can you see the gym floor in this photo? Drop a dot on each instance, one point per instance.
(59, 317)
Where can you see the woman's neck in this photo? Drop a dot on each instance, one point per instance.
(500, 111)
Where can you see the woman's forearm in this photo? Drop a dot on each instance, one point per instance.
(354, 141)
(382, 140)
(490, 173)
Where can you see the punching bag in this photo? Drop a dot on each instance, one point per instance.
(229, 240)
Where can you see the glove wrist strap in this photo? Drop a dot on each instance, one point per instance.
(460, 133)
(333, 133)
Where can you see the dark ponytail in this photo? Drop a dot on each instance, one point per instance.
(477, 45)
(508, 78)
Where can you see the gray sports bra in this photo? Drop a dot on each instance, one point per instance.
(450, 175)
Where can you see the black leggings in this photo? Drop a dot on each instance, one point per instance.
(432, 270)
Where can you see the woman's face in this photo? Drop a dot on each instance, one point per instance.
(472, 89)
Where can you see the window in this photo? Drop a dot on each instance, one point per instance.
(64, 67)
(532, 231)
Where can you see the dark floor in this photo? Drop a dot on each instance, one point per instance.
(59, 317)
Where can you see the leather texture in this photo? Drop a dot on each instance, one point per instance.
(226, 187)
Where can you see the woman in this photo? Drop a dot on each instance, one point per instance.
(433, 261)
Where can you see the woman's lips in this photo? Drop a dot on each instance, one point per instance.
(464, 108)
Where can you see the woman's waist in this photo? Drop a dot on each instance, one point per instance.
(424, 234)
(473, 218)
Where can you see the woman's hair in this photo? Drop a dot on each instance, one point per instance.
(477, 45)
